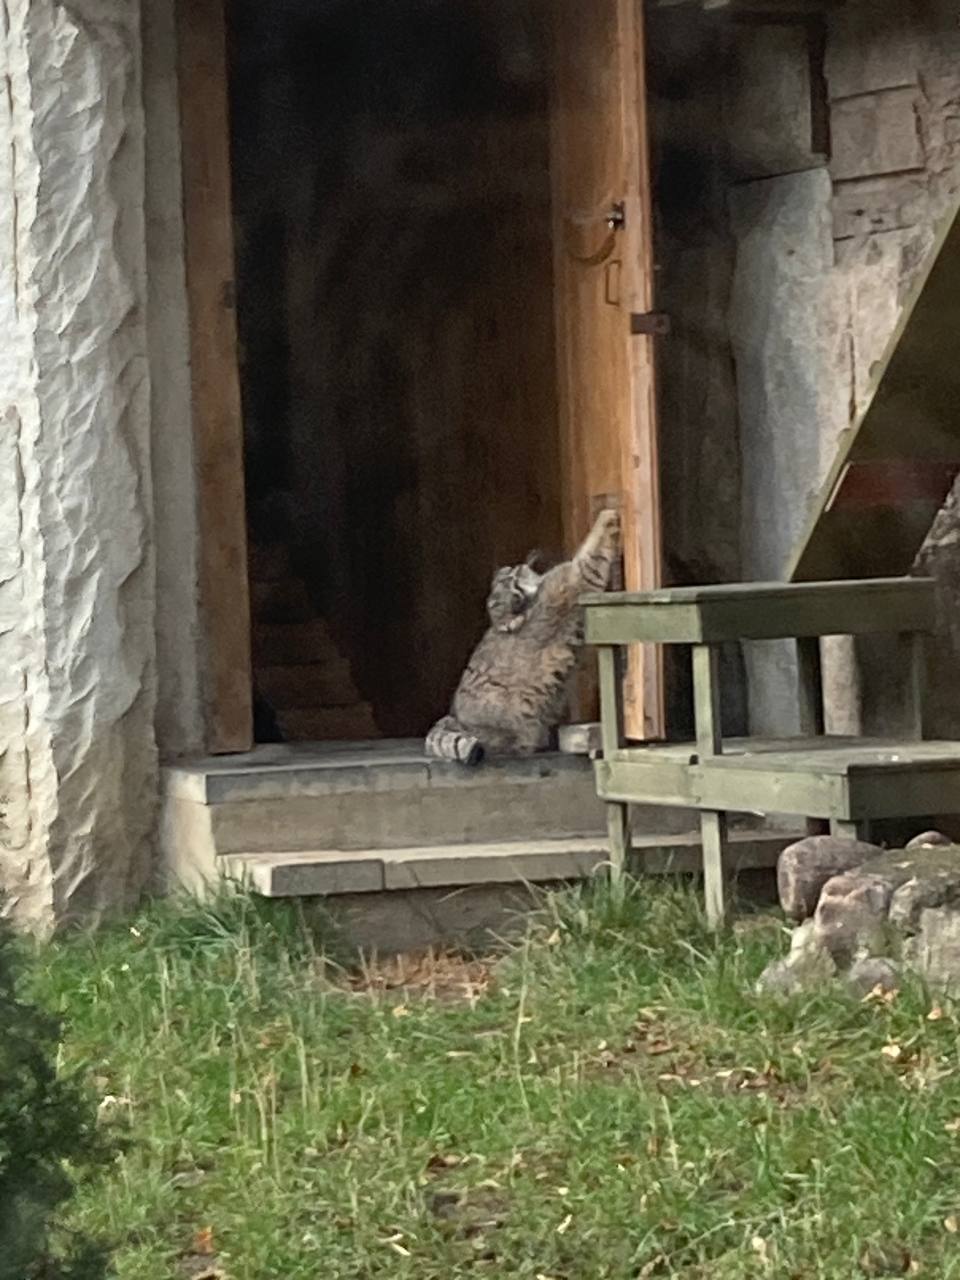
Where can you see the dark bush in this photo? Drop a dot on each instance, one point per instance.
(48, 1140)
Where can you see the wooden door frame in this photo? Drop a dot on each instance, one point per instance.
(627, 246)
(225, 620)
(224, 590)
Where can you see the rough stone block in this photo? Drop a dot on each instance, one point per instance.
(864, 206)
(769, 108)
(851, 915)
(872, 973)
(874, 46)
(807, 965)
(934, 952)
(901, 909)
(876, 133)
(929, 840)
(805, 867)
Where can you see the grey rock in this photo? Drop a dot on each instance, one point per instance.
(805, 866)
(870, 972)
(851, 916)
(929, 840)
(807, 966)
(934, 952)
(900, 910)
(938, 886)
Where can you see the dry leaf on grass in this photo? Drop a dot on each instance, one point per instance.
(203, 1241)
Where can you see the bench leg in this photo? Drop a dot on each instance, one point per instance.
(848, 830)
(713, 836)
(618, 834)
(913, 650)
(612, 728)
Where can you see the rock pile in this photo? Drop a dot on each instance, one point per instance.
(865, 913)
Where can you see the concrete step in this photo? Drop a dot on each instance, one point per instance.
(382, 795)
(330, 872)
(311, 684)
(291, 643)
(323, 724)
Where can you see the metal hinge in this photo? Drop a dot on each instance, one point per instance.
(652, 322)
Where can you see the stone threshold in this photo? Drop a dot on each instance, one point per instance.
(301, 770)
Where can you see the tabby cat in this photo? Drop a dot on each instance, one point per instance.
(513, 691)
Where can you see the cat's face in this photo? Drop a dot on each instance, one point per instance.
(513, 590)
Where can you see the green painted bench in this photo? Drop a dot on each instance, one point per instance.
(848, 781)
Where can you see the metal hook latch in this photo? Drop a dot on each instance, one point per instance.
(616, 218)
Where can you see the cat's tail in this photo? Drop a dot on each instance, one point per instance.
(448, 741)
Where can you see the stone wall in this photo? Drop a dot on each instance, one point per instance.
(77, 646)
(833, 208)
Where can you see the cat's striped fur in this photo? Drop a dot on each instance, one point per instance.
(513, 691)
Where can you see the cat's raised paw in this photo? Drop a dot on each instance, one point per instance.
(608, 522)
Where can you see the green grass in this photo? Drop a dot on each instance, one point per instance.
(616, 1103)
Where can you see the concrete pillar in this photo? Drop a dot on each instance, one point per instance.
(77, 648)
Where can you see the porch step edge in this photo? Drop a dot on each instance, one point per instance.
(327, 873)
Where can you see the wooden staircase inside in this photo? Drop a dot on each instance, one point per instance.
(298, 669)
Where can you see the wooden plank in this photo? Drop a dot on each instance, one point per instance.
(763, 613)
(772, 10)
(908, 434)
(705, 786)
(217, 420)
(603, 276)
(922, 791)
(767, 592)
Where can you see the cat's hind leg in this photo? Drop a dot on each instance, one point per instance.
(448, 740)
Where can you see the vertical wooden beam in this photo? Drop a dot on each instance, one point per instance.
(913, 647)
(217, 419)
(713, 825)
(706, 700)
(640, 463)
(603, 276)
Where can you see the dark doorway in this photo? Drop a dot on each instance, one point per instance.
(395, 304)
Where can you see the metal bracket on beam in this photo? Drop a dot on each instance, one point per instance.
(649, 322)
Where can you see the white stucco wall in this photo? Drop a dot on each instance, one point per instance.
(77, 593)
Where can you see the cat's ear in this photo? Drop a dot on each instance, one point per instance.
(534, 559)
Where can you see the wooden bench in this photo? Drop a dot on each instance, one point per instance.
(849, 781)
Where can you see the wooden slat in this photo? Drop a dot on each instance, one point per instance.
(218, 428)
(755, 8)
(762, 611)
(599, 159)
(905, 443)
